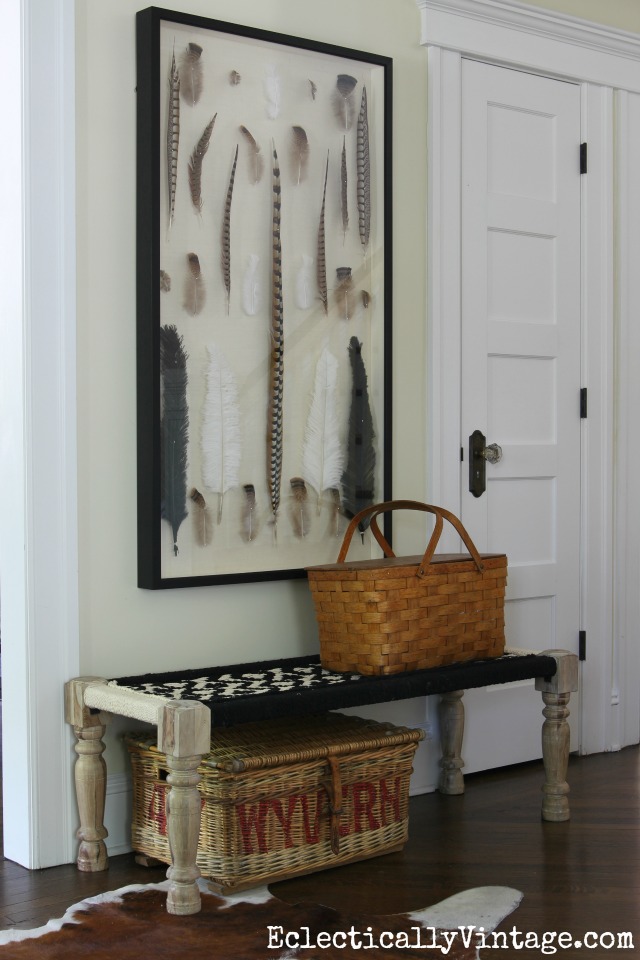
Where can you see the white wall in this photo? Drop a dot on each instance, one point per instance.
(124, 629)
(622, 15)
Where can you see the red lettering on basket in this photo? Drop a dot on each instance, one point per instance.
(364, 798)
(285, 819)
(251, 817)
(312, 835)
(372, 805)
(157, 808)
(387, 798)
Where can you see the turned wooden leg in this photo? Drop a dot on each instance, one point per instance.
(184, 735)
(555, 734)
(451, 711)
(90, 775)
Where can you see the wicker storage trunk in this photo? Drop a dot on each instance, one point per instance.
(409, 613)
(283, 798)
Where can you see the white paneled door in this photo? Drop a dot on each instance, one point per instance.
(521, 363)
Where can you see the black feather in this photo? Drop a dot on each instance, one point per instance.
(358, 481)
(174, 430)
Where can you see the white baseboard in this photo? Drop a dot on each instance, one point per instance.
(420, 789)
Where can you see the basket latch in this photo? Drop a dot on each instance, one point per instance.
(334, 790)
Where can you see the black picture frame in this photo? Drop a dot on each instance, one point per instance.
(209, 338)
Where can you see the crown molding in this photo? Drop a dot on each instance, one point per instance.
(542, 22)
(510, 31)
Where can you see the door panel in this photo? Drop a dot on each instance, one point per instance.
(521, 370)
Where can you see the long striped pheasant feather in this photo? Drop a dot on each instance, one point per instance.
(225, 257)
(321, 263)
(194, 168)
(173, 135)
(363, 173)
(344, 189)
(276, 359)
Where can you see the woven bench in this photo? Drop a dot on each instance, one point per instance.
(188, 706)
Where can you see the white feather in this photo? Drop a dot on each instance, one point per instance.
(304, 283)
(322, 452)
(251, 292)
(220, 440)
(272, 91)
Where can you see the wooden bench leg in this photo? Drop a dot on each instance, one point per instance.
(556, 692)
(90, 775)
(184, 735)
(451, 710)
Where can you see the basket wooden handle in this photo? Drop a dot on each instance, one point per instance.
(440, 514)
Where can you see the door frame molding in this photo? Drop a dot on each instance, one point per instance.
(625, 722)
(38, 438)
(599, 60)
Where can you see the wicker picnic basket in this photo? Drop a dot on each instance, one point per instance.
(282, 798)
(409, 613)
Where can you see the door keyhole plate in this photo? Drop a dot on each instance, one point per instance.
(479, 455)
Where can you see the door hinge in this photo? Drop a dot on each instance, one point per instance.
(461, 454)
(582, 644)
(583, 403)
(583, 158)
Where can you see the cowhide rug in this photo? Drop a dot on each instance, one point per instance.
(132, 924)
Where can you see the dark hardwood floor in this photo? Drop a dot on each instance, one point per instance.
(580, 876)
(583, 875)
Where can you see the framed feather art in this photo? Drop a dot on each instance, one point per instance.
(263, 299)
